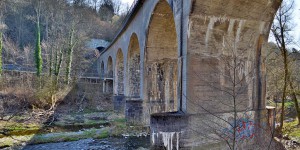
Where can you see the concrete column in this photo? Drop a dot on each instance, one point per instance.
(119, 103)
(168, 130)
(134, 111)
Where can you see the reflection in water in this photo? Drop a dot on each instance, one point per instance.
(129, 143)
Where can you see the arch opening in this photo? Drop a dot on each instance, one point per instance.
(161, 60)
(119, 73)
(109, 68)
(133, 67)
(109, 82)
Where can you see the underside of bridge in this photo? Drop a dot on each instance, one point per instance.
(161, 55)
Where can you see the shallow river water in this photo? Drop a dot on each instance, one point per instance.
(129, 143)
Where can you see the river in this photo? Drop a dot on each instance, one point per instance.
(122, 143)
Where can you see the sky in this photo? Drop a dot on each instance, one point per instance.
(125, 7)
(128, 1)
(297, 22)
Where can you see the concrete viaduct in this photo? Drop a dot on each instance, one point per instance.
(193, 70)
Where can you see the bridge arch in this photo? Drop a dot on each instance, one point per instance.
(109, 81)
(109, 71)
(133, 67)
(161, 60)
(119, 73)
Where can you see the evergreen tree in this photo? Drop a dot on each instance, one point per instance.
(38, 49)
(70, 51)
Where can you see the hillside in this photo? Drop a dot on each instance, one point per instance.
(88, 20)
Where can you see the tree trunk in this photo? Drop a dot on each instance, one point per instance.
(70, 56)
(296, 102)
(284, 55)
(38, 49)
(57, 65)
(1, 45)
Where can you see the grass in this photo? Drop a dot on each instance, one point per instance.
(95, 122)
(85, 123)
(289, 104)
(15, 125)
(120, 120)
(70, 136)
(14, 140)
(89, 110)
(116, 126)
(87, 120)
(13, 128)
(292, 129)
(119, 127)
(55, 137)
(22, 134)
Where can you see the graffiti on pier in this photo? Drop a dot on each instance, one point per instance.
(244, 129)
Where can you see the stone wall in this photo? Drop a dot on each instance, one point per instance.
(161, 63)
(119, 104)
(119, 78)
(225, 64)
(133, 68)
(134, 111)
(211, 131)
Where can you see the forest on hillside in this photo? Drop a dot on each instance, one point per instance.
(47, 47)
(63, 24)
(45, 52)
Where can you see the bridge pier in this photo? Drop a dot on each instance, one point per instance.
(119, 103)
(134, 111)
(169, 130)
(210, 131)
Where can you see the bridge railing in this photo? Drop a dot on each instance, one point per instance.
(132, 6)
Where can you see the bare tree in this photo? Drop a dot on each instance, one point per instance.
(96, 4)
(281, 29)
(107, 10)
(70, 50)
(117, 6)
(2, 27)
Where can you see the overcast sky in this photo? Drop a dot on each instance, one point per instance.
(128, 1)
(297, 22)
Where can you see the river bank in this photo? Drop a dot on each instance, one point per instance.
(68, 127)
